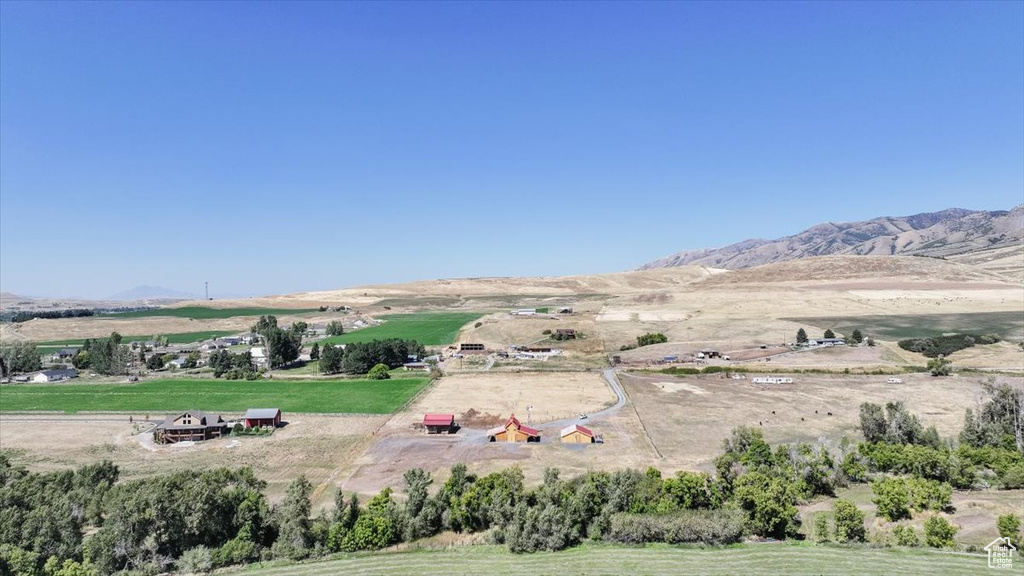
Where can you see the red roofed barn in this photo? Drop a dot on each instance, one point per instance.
(513, 431)
(439, 423)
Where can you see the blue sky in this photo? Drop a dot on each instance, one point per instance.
(273, 148)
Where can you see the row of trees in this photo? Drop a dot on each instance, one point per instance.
(856, 337)
(25, 316)
(361, 357)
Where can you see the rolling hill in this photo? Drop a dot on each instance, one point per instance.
(949, 233)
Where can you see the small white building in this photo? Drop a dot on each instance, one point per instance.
(524, 312)
(894, 380)
(772, 380)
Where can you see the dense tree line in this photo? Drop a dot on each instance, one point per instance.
(361, 357)
(25, 316)
(19, 357)
(945, 345)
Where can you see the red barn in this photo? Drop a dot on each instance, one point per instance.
(262, 417)
(439, 423)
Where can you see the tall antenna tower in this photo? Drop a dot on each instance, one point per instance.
(207, 290)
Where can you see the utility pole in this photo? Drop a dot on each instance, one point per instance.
(207, 284)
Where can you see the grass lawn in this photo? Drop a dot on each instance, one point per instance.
(204, 313)
(318, 396)
(747, 559)
(1007, 325)
(180, 338)
(427, 328)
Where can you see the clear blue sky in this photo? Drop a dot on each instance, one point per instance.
(284, 147)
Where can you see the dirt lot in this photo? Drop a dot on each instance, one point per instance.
(687, 418)
(318, 446)
(493, 396)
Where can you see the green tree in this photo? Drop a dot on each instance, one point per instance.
(849, 522)
(314, 352)
(19, 357)
(651, 338)
(331, 359)
(191, 361)
(299, 328)
(335, 328)
(872, 422)
(940, 367)
(870, 342)
(829, 333)
(1009, 527)
(822, 528)
(378, 372)
(856, 337)
(939, 532)
(81, 360)
(801, 336)
(292, 519)
(770, 504)
(375, 528)
(906, 536)
(892, 498)
(156, 361)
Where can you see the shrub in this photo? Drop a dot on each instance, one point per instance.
(378, 372)
(546, 332)
(1013, 478)
(822, 530)
(1008, 526)
(938, 532)
(849, 522)
(478, 324)
(891, 498)
(651, 338)
(940, 367)
(198, 560)
(906, 536)
(714, 527)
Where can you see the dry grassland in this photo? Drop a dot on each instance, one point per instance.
(318, 446)
(687, 418)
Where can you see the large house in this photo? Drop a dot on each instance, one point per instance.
(55, 375)
(262, 418)
(64, 354)
(194, 425)
(513, 431)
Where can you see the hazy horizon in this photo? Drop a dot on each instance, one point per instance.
(282, 147)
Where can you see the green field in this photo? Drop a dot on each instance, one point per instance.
(1007, 325)
(204, 313)
(747, 559)
(180, 338)
(428, 328)
(318, 396)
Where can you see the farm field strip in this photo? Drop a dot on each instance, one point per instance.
(178, 338)
(1008, 325)
(204, 313)
(656, 559)
(309, 396)
(428, 328)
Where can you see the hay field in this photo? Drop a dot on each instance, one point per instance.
(769, 559)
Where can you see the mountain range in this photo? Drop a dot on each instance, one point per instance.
(951, 232)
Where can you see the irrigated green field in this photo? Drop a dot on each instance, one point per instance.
(429, 328)
(311, 396)
(204, 313)
(180, 338)
(1008, 325)
(748, 559)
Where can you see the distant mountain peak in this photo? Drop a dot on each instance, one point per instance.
(146, 292)
(949, 232)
